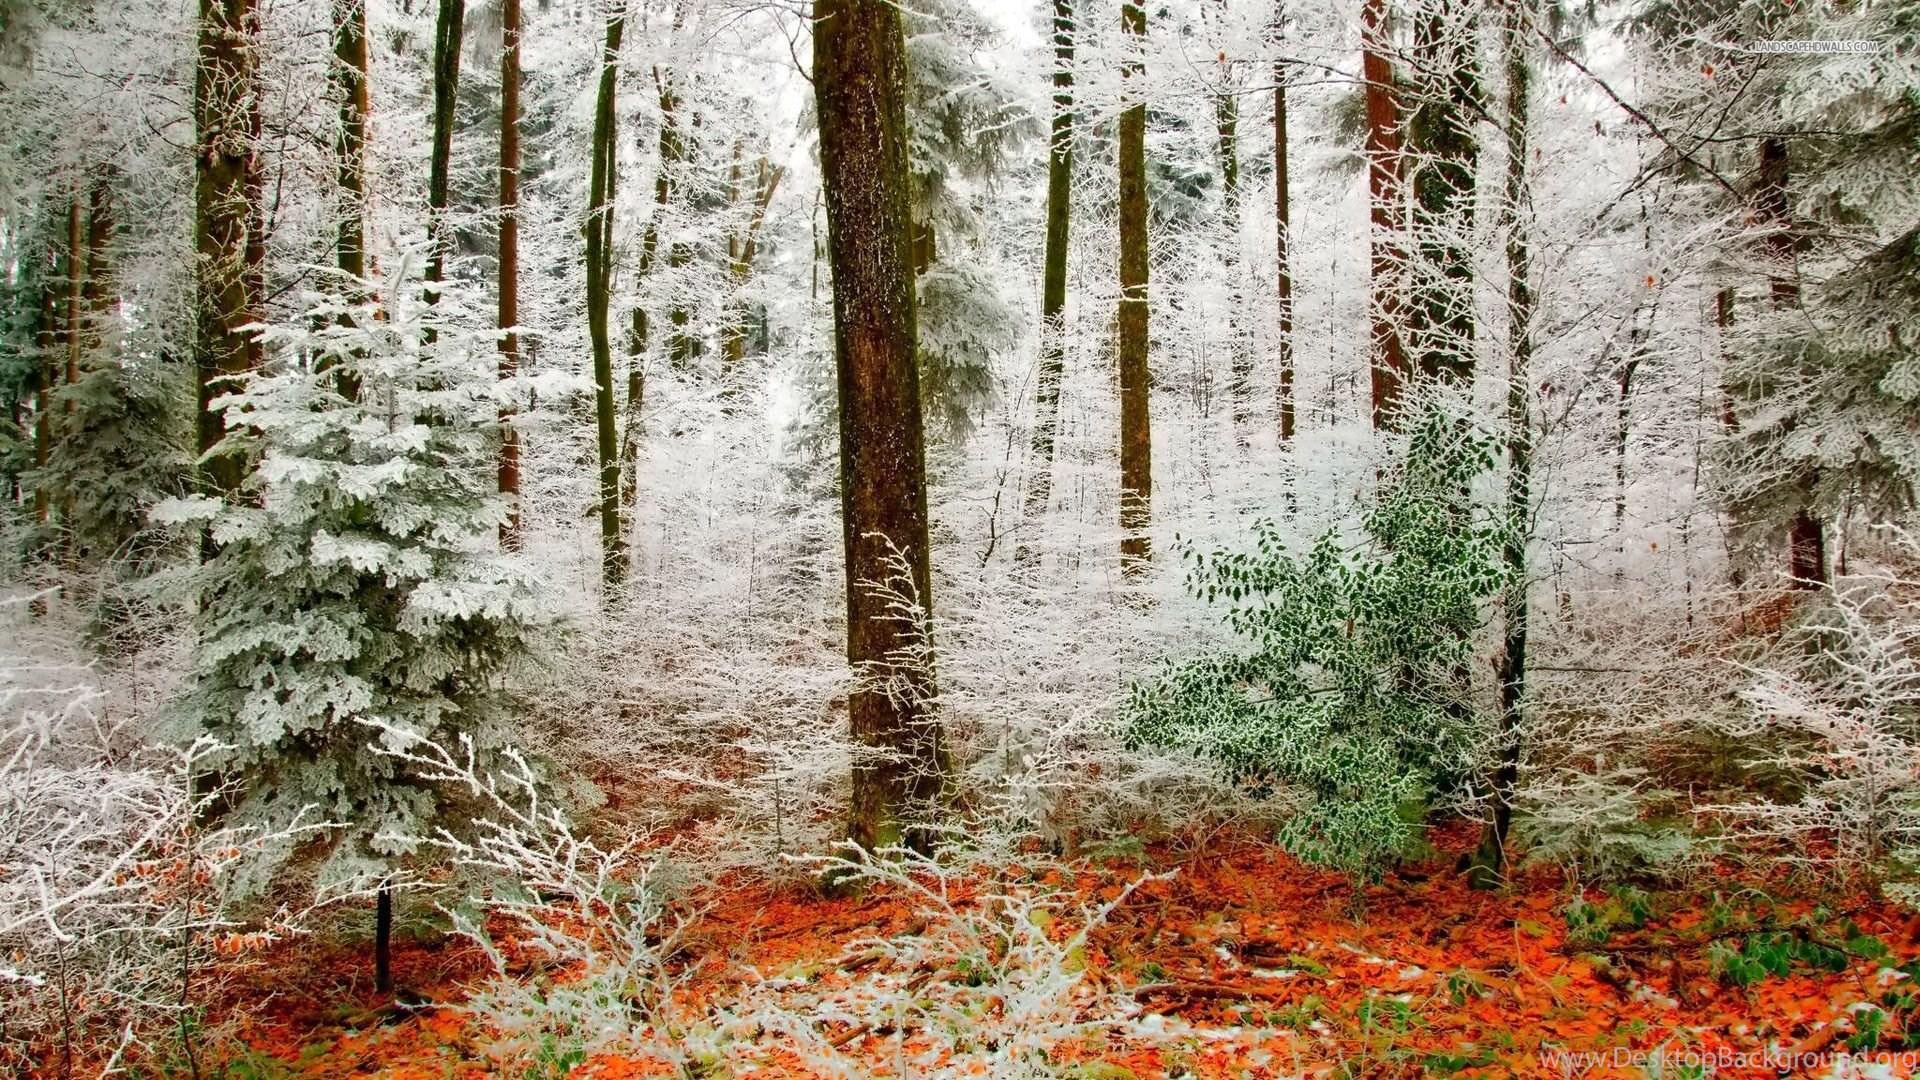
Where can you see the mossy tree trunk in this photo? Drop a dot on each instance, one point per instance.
(599, 229)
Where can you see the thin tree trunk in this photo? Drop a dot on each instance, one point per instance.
(1226, 119)
(742, 249)
(254, 185)
(1136, 433)
(1283, 228)
(600, 199)
(448, 31)
(383, 939)
(1489, 864)
(1723, 318)
(223, 91)
(1387, 360)
(350, 152)
(76, 285)
(1622, 428)
(508, 315)
(860, 86)
(1053, 289)
(72, 339)
(639, 328)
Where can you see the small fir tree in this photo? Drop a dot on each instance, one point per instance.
(357, 576)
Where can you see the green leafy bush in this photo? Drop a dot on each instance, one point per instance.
(1353, 687)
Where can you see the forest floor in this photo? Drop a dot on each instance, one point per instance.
(1238, 963)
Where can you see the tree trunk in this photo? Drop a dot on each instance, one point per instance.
(47, 376)
(638, 326)
(1387, 360)
(223, 92)
(860, 86)
(1053, 288)
(600, 199)
(102, 300)
(1806, 541)
(1622, 428)
(509, 259)
(1136, 433)
(448, 30)
(350, 153)
(1226, 120)
(383, 939)
(742, 249)
(350, 150)
(1806, 551)
(1283, 228)
(1443, 155)
(1489, 864)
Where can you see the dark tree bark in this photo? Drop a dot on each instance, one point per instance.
(224, 76)
(1136, 432)
(47, 376)
(860, 86)
(1053, 288)
(448, 31)
(350, 154)
(599, 229)
(1387, 359)
(350, 149)
(1806, 534)
(1489, 863)
(73, 328)
(1283, 227)
(508, 315)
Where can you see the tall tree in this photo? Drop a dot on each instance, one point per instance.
(508, 316)
(1489, 863)
(1226, 120)
(448, 31)
(223, 93)
(860, 86)
(353, 90)
(1282, 228)
(1806, 537)
(1442, 155)
(1053, 289)
(599, 229)
(1387, 359)
(1136, 432)
(672, 154)
(743, 245)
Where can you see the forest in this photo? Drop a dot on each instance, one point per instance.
(1095, 539)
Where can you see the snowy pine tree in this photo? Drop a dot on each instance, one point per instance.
(358, 577)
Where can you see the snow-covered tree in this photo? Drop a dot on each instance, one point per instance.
(356, 576)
